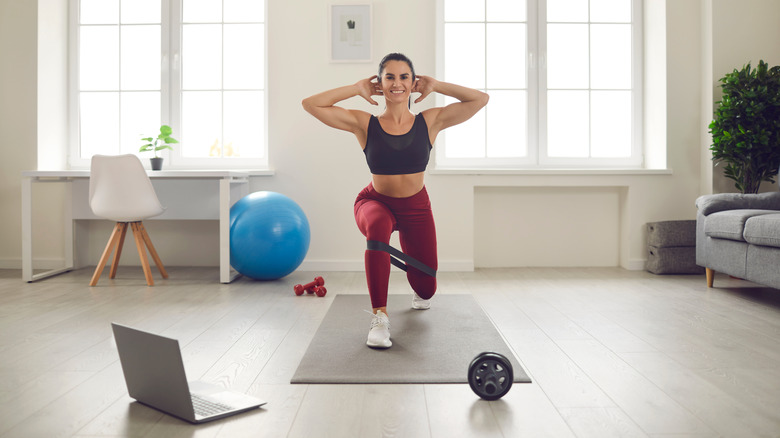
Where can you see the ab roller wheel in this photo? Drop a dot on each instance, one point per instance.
(490, 375)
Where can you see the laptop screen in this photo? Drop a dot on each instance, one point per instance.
(154, 371)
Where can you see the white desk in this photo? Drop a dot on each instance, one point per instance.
(215, 191)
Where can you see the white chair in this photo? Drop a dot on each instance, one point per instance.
(120, 190)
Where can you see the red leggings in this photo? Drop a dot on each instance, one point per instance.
(378, 216)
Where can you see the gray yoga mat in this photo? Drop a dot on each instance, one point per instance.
(429, 346)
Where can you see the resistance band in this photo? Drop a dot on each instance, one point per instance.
(397, 258)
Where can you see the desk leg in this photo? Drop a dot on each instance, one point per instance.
(27, 244)
(27, 269)
(68, 223)
(225, 274)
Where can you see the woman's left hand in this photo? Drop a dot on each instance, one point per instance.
(423, 85)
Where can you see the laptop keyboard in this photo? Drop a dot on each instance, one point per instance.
(207, 408)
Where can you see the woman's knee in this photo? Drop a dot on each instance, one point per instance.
(376, 222)
(422, 284)
(378, 228)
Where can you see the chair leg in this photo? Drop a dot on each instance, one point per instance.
(139, 243)
(112, 242)
(115, 262)
(152, 251)
(710, 276)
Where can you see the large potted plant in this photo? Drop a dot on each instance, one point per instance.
(746, 128)
(162, 141)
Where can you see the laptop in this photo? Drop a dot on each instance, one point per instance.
(154, 373)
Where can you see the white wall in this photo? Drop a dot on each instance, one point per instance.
(753, 34)
(540, 224)
(323, 169)
(18, 137)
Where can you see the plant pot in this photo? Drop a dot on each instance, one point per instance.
(156, 163)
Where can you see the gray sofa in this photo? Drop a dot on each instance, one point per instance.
(739, 235)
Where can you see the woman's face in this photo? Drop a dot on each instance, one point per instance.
(396, 81)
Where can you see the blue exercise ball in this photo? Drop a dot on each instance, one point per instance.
(269, 235)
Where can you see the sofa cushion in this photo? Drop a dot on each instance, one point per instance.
(761, 265)
(730, 224)
(763, 230)
(709, 204)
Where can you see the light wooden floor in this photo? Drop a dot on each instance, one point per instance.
(613, 353)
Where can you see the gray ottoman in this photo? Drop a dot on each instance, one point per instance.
(671, 248)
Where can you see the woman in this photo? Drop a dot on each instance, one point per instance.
(397, 146)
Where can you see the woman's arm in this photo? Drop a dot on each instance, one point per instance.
(471, 101)
(322, 106)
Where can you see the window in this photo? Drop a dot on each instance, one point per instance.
(196, 65)
(564, 78)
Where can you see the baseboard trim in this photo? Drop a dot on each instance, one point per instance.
(635, 265)
(307, 265)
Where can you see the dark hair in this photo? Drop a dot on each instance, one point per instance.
(395, 57)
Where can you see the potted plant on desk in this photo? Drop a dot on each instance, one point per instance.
(162, 141)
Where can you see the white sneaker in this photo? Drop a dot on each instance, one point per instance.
(419, 303)
(379, 335)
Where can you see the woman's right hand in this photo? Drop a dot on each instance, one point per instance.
(367, 88)
(323, 107)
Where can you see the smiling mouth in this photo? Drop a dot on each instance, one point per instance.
(397, 91)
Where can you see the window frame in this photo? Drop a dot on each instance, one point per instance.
(537, 158)
(170, 95)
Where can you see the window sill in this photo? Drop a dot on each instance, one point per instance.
(550, 172)
(268, 171)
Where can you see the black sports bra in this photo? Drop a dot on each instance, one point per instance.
(388, 154)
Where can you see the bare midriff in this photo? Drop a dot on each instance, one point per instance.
(399, 186)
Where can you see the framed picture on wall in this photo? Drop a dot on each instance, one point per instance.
(350, 33)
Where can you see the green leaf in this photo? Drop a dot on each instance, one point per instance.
(160, 142)
(746, 126)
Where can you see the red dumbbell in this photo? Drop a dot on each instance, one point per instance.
(319, 290)
(309, 287)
